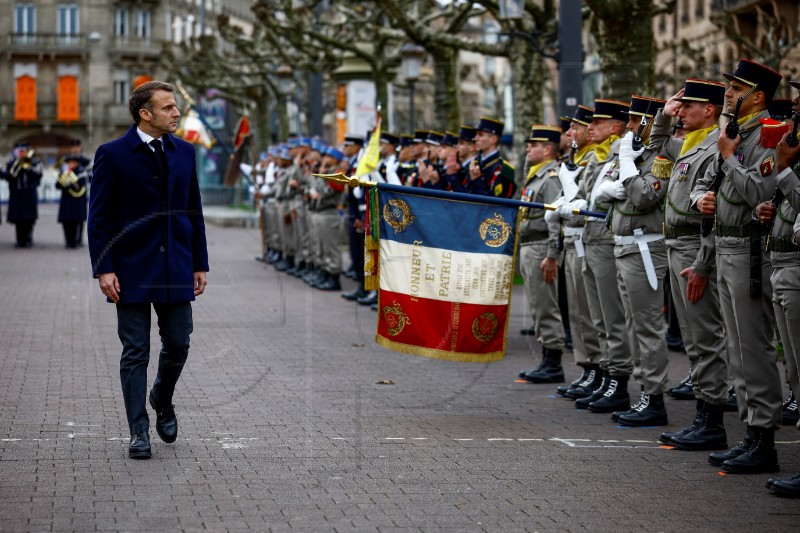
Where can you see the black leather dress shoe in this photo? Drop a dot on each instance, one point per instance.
(354, 295)
(528, 331)
(166, 421)
(139, 447)
(370, 298)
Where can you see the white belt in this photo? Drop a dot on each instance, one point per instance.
(624, 240)
(362, 207)
(571, 232)
(641, 239)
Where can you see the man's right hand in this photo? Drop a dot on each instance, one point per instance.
(672, 106)
(765, 211)
(707, 204)
(109, 286)
(696, 286)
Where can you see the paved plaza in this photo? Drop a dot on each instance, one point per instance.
(285, 425)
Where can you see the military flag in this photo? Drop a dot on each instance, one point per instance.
(193, 130)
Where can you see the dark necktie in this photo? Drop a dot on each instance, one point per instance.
(161, 157)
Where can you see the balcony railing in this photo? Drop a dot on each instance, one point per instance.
(136, 46)
(46, 42)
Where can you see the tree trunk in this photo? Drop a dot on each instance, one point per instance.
(529, 79)
(624, 33)
(447, 88)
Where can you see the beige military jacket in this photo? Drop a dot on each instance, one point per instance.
(596, 231)
(750, 178)
(543, 187)
(783, 251)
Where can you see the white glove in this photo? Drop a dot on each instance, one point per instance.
(551, 217)
(627, 156)
(610, 190)
(566, 209)
(567, 179)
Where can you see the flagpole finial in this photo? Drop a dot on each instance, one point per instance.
(352, 181)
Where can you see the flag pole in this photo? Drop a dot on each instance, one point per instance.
(353, 181)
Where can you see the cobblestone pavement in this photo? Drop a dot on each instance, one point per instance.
(284, 427)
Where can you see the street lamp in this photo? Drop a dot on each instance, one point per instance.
(411, 63)
(284, 76)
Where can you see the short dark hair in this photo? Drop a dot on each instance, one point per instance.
(140, 97)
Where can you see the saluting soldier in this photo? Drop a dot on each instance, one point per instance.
(585, 335)
(286, 191)
(75, 174)
(490, 174)
(324, 222)
(539, 253)
(457, 171)
(743, 268)
(692, 258)
(784, 247)
(636, 218)
(23, 173)
(407, 163)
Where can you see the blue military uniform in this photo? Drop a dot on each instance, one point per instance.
(75, 175)
(23, 174)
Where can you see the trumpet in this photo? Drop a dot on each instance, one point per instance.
(23, 162)
(69, 182)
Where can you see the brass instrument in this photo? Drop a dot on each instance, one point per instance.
(24, 162)
(69, 182)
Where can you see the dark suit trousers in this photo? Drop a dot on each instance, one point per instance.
(133, 326)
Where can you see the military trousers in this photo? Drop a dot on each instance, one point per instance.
(542, 297)
(749, 328)
(644, 313)
(302, 242)
(287, 227)
(701, 324)
(605, 307)
(272, 221)
(326, 228)
(786, 301)
(585, 338)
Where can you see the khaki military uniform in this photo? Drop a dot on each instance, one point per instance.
(535, 245)
(750, 178)
(638, 219)
(785, 257)
(299, 207)
(325, 227)
(599, 266)
(286, 196)
(700, 322)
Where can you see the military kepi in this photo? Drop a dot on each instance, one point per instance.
(467, 133)
(544, 133)
(491, 125)
(751, 73)
(612, 109)
(703, 91)
(583, 115)
(644, 105)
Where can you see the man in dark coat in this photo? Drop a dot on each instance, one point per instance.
(74, 175)
(148, 246)
(23, 173)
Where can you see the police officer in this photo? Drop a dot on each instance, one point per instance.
(490, 174)
(23, 172)
(539, 254)
(747, 163)
(692, 258)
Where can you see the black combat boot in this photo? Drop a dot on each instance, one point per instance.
(583, 403)
(587, 386)
(718, 458)
(285, 264)
(551, 371)
(787, 487)
(684, 389)
(790, 412)
(615, 398)
(650, 411)
(760, 458)
(730, 405)
(710, 435)
(331, 283)
(631, 408)
(699, 418)
(561, 390)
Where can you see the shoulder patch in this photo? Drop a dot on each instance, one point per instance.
(498, 189)
(767, 164)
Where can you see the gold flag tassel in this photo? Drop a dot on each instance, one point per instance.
(372, 242)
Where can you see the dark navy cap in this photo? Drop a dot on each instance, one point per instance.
(467, 133)
(389, 138)
(780, 108)
(612, 109)
(434, 138)
(545, 133)
(752, 73)
(564, 122)
(583, 115)
(644, 105)
(450, 139)
(491, 125)
(350, 140)
(406, 139)
(704, 91)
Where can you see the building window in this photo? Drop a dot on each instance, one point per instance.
(121, 22)
(122, 91)
(143, 24)
(24, 18)
(662, 22)
(685, 11)
(700, 9)
(67, 20)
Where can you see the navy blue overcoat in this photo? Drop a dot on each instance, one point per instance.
(146, 228)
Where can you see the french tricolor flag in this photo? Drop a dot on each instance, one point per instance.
(446, 269)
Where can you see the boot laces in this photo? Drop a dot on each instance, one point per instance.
(612, 388)
(588, 381)
(644, 402)
(637, 405)
(687, 381)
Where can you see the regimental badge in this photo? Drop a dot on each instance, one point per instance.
(657, 185)
(398, 215)
(683, 171)
(498, 189)
(767, 164)
(484, 327)
(495, 231)
(395, 319)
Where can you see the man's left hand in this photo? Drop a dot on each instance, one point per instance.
(727, 146)
(549, 268)
(199, 283)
